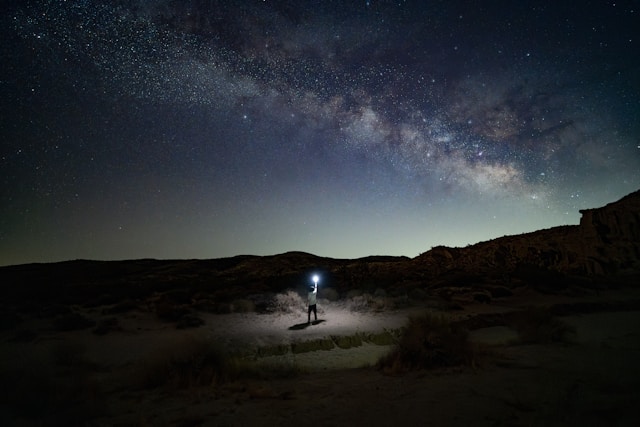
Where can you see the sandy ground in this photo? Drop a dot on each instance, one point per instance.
(593, 380)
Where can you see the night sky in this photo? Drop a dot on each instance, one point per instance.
(207, 129)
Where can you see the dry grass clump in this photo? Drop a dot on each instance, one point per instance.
(367, 302)
(287, 302)
(430, 341)
(539, 326)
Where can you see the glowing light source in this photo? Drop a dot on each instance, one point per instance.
(315, 279)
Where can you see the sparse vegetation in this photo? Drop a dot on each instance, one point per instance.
(430, 341)
(287, 302)
(367, 302)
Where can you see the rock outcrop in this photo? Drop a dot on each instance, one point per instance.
(606, 243)
(611, 237)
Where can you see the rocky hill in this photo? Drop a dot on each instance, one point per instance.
(604, 247)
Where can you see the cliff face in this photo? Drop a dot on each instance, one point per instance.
(605, 243)
(611, 237)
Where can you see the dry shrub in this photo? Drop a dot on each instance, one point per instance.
(288, 302)
(537, 325)
(367, 302)
(359, 303)
(427, 342)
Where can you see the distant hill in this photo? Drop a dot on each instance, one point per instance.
(603, 250)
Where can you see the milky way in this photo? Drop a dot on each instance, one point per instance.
(202, 129)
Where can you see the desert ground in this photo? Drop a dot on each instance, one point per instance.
(250, 368)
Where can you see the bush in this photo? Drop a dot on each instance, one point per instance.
(428, 342)
(366, 302)
(288, 302)
(360, 303)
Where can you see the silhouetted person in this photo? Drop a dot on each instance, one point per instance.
(311, 298)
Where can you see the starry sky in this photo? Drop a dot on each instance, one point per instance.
(212, 128)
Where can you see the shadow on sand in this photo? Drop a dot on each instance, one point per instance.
(304, 325)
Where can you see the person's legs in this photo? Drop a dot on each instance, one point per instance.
(309, 314)
(315, 313)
